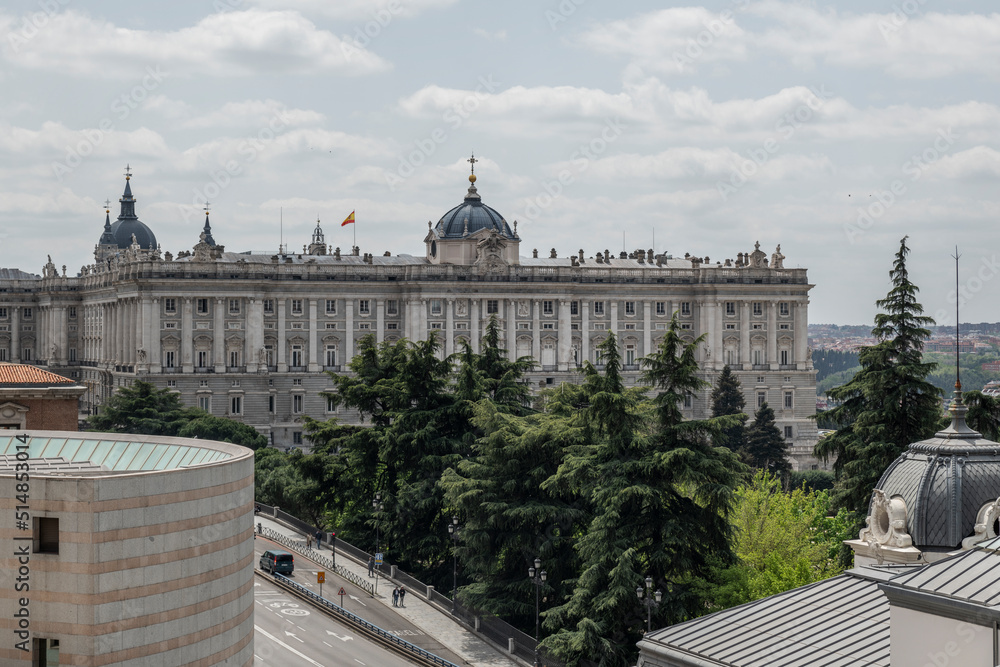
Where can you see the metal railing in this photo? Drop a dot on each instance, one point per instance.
(354, 619)
(319, 558)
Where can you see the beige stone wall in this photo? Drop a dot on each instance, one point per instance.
(153, 569)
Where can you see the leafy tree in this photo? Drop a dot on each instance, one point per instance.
(727, 399)
(208, 427)
(984, 413)
(889, 403)
(766, 448)
(660, 492)
(142, 409)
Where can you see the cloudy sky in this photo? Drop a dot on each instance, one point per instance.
(833, 129)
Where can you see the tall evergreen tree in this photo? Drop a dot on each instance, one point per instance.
(766, 449)
(889, 403)
(984, 413)
(727, 399)
(660, 492)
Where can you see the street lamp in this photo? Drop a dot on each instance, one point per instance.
(377, 508)
(650, 602)
(453, 531)
(537, 581)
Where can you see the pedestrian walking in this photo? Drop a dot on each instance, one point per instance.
(319, 538)
(309, 541)
(371, 566)
(395, 596)
(402, 594)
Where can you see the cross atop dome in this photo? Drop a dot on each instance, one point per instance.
(472, 161)
(107, 205)
(128, 172)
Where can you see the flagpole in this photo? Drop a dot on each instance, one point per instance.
(354, 227)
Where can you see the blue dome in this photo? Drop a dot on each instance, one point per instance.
(120, 232)
(471, 216)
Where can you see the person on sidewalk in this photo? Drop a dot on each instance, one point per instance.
(309, 541)
(371, 566)
(402, 594)
(395, 596)
(319, 538)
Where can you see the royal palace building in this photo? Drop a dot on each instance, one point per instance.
(252, 335)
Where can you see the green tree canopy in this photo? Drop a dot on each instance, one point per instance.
(142, 409)
(766, 448)
(727, 399)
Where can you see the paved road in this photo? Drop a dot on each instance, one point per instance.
(286, 624)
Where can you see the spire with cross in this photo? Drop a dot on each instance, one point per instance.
(107, 205)
(472, 161)
(128, 172)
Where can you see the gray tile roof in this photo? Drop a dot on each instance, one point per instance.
(972, 576)
(838, 622)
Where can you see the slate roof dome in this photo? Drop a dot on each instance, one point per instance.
(946, 483)
(471, 216)
(127, 224)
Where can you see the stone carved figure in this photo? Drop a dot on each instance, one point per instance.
(262, 356)
(140, 355)
(777, 259)
(523, 309)
(461, 307)
(758, 258)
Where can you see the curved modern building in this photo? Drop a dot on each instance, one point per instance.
(125, 550)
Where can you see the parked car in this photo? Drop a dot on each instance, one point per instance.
(281, 562)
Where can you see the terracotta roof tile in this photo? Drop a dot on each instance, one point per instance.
(27, 374)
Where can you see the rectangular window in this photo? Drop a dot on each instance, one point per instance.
(269, 306)
(331, 306)
(758, 308)
(364, 307)
(297, 437)
(3, 313)
(270, 403)
(297, 356)
(46, 538)
(761, 379)
(688, 401)
(630, 326)
(234, 358)
(758, 357)
(548, 325)
(392, 326)
(296, 306)
(686, 325)
(236, 405)
(783, 327)
(600, 326)
(297, 403)
(72, 311)
(630, 307)
(685, 307)
(436, 307)
(331, 355)
(546, 307)
(661, 308)
(269, 355)
(170, 325)
(171, 383)
(331, 404)
(297, 325)
(598, 308)
(574, 307)
(783, 308)
(789, 433)
(27, 313)
(730, 326)
(3, 354)
(169, 359)
(72, 354)
(203, 383)
(297, 382)
(234, 306)
(365, 326)
(201, 305)
(437, 325)
(461, 325)
(784, 357)
(730, 308)
(392, 307)
(331, 325)
(202, 358)
(205, 403)
(789, 404)
(757, 327)
(45, 652)
(630, 355)
(492, 306)
(761, 398)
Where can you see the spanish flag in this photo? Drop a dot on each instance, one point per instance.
(349, 220)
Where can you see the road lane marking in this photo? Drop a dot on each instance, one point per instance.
(283, 644)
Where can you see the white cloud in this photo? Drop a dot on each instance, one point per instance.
(491, 36)
(381, 11)
(979, 162)
(255, 113)
(245, 43)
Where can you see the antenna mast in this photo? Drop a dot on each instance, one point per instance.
(958, 365)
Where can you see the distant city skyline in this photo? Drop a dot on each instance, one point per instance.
(833, 129)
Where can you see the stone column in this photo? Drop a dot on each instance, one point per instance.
(130, 331)
(564, 349)
(449, 324)
(219, 360)
(474, 324)
(422, 319)
(746, 358)
(187, 337)
(379, 320)
(119, 331)
(312, 366)
(281, 334)
(614, 325)
(512, 330)
(349, 332)
(801, 334)
(536, 332)
(254, 334)
(772, 334)
(155, 347)
(647, 328)
(15, 334)
(585, 307)
(718, 351)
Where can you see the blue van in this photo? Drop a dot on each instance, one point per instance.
(281, 562)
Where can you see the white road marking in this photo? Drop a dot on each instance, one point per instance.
(283, 644)
(289, 634)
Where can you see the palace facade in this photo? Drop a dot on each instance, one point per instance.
(252, 335)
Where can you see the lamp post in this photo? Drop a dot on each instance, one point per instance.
(377, 508)
(453, 531)
(650, 602)
(537, 576)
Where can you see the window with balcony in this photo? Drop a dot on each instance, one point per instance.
(547, 308)
(630, 307)
(297, 356)
(364, 307)
(169, 359)
(331, 355)
(598, 308)
(761, 399)
(331, 306)
(296, 306)
(685, 307)
(234, 306)
(234, 358)
(201, 306)
(202, 358)
(392, 307)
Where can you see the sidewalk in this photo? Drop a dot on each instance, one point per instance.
(462, 642)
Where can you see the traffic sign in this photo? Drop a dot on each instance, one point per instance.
(320, 577)
(342, 591)
(342, 594)
(378, 558)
